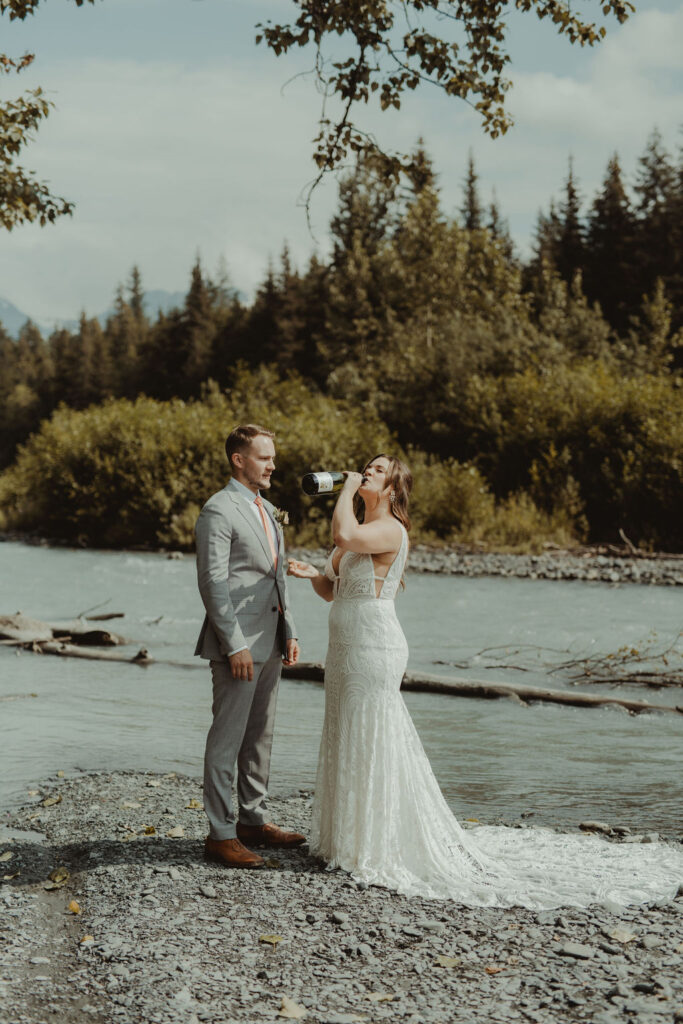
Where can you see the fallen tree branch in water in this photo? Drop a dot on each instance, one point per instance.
(615, 667)
(314, 672)
(660, 663)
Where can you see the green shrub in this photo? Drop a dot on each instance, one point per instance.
(136, 473)
(605, 447)
(453, 503)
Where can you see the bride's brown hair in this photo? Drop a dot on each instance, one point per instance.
(400, 479)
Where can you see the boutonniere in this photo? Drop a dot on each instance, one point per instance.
(281, 516)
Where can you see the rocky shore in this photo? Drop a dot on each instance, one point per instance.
(584, 564)
(110, 914)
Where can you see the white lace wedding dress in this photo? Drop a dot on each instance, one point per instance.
(379, 814)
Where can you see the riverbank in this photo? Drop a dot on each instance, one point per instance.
(599, 564)
(583, 564)
(135, 927)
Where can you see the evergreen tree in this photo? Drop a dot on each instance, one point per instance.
(33, 363)
(136, 295)
(421, 174)
(657, 231)
(366, 213)
(674, 281)
(91, 365)
(126, 336)
(498, 227)
(471, 209)
(199, 325)
(571, 248)
(546, 238)
(262, 320)
(609, 251)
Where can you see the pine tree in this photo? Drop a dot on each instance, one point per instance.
(366, 212)
(547, 237)
(421, 174)
(674, 281)
(609, 252)
(656, 245)
(262, 320)
(91, 364)
(136, 299)
(498, 227)
(126, 336)
(196, 335)
(471, 209)
(571, 249)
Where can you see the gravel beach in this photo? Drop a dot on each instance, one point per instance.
(110, 914)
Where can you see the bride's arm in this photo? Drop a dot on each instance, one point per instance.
(366, 538)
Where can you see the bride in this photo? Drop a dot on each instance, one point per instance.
(378, 812)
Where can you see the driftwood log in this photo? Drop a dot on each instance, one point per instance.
(21, 629)
(314, 672)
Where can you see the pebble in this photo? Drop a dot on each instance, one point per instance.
(576, 950)
(612, 907)
(596, 826)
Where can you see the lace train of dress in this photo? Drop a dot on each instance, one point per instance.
(379, 814)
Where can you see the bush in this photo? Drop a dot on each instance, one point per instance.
(453, 503)
(136, 473)
(606, 447)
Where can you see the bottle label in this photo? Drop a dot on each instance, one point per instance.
(325, 482)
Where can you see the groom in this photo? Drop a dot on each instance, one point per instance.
(248, 632)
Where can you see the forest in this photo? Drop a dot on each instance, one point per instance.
(538, 400)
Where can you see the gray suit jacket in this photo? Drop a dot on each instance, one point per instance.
(240, 588)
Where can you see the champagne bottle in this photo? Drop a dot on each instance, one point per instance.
(322, 483)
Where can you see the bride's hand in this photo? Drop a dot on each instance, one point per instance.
(302, 570)
(353, 481)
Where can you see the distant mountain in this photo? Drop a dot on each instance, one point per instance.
(11, 318)
(155, 301)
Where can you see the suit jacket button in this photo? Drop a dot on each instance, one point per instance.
(274, 608)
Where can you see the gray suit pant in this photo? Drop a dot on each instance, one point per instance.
(242, 733)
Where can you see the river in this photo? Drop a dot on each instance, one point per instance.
(493, 759)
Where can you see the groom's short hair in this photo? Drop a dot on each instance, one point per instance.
(241, 437)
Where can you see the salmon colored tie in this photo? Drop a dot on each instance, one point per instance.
(259, 504)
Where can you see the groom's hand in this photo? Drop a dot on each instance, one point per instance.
(292, 655)
(242, 665)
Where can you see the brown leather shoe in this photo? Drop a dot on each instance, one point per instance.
(268, 835)
(231, 853)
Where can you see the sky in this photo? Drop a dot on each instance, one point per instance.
(176, 136)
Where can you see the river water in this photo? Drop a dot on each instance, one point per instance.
(493, 759)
